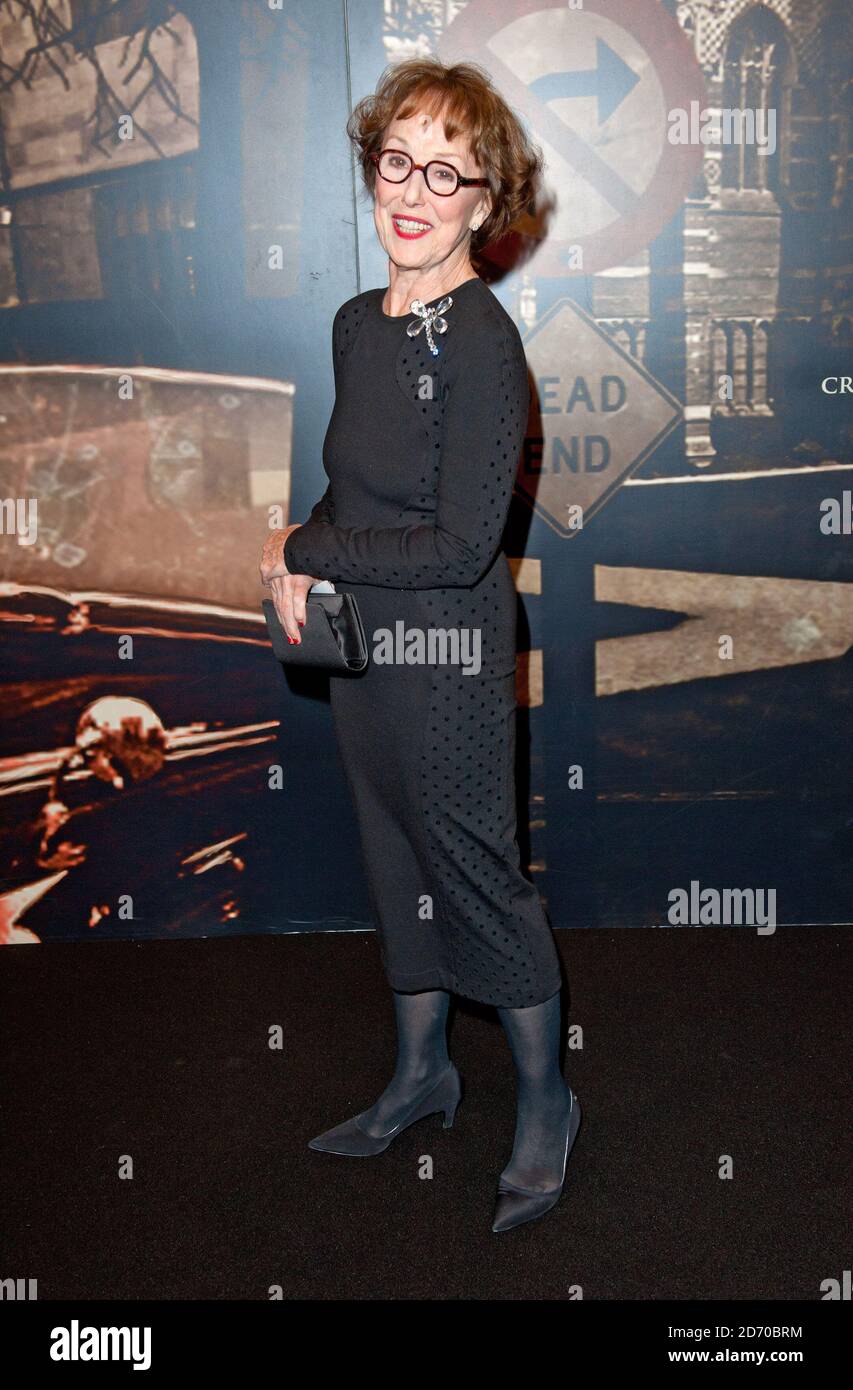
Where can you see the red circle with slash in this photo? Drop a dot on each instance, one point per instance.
(639, 216)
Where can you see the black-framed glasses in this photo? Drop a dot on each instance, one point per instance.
(395, 166)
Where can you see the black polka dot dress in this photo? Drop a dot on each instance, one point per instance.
(421, 453)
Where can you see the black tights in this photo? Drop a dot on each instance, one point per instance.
(543, 1099)
(542, 1096)
(421, 1056)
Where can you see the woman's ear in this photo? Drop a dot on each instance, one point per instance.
(481, 212)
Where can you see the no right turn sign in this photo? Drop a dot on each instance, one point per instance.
(596, 83)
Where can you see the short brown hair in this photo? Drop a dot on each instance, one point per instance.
(469, 105)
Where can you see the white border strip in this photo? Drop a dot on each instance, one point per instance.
(742, 477)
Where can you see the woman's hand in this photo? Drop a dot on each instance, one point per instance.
(289, 591)
(289, 595)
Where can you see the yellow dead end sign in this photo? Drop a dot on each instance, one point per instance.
(596, 414)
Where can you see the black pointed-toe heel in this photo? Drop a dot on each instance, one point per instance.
(350, 1139)
(517, 1205)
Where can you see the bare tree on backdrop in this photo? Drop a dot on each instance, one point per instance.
(66, 33)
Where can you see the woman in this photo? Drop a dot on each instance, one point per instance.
(421, 452)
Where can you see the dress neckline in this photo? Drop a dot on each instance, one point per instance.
(398, 318)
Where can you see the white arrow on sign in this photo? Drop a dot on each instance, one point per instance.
(596, 414)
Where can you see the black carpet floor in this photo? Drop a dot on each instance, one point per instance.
(690, 1047)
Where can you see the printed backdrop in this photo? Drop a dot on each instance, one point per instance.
(180, 219)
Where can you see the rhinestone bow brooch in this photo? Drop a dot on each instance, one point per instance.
(430, 319)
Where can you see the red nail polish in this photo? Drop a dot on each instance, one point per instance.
(300, 624)
(292, 641)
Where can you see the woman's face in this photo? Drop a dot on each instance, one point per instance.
(418, 228)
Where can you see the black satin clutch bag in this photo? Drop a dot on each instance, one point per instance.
(332, 638)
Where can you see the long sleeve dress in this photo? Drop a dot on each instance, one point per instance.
(421, 453)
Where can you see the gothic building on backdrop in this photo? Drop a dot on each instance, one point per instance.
(772, 288)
